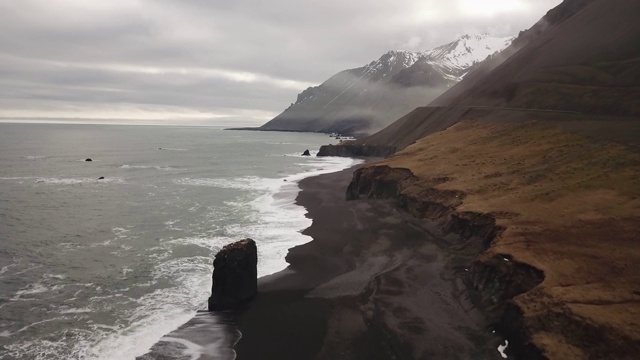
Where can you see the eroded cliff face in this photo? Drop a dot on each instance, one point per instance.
(422, 200)
(497, 278)
(354, 150)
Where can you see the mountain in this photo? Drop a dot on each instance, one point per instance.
(560, 65)
(366, 99)
(533, 159)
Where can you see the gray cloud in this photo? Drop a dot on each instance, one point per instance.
(234, 60)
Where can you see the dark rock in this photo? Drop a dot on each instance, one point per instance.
(101, 178)
(306, 153)
(356, 150)
(88, 159)
(235, 275)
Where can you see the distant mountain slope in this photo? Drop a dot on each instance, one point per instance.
(582, 56)
(366, 99)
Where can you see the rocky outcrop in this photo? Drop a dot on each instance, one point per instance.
(235, 275)
(88, 159)
(306, 153)
(500, 278)
(356, 150)
(423, 200)
(379, 182)
(497, 278)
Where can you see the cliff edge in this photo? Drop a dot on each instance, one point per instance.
(555, 217)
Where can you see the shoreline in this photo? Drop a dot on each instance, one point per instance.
(373, 283)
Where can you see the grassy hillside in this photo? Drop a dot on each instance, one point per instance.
(570, 206)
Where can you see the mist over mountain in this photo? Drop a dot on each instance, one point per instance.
(574, 59)
(366, 99)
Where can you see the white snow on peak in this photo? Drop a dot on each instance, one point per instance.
(467, 50)
(403, 58)
(450, 59)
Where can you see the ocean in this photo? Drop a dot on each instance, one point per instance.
(102, 268)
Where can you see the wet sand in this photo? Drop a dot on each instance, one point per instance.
(375, 283)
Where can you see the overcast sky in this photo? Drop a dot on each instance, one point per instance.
(213, 60)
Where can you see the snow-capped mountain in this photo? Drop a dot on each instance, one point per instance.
(366, 99)
(468, 50)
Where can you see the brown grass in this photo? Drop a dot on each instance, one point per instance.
(574, 212)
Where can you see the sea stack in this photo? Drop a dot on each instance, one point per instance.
(306, 153)
(235, 275)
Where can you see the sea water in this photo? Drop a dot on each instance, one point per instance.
(102, 269)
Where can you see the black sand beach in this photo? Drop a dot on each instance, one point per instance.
(375, 283)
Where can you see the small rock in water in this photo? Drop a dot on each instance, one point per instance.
(88, 159)
(306, 153)
(101, 178)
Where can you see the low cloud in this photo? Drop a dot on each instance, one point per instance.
(207, 57)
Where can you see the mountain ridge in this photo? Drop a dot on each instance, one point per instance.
(366, 99)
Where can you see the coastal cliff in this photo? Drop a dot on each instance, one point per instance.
(497, 278)
(556, 256)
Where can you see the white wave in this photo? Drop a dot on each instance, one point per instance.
(278, 221)
(192, 350)
(157, 167)
(39, 322)
(76, 181)
(6, 268)
(31, 289)
(76, 310)
(55, 276)
(204, 242)
(317, 167)
(159, 312)
(16, 177)
(119, 230)
(125, 271)
(35, 157)
(103, 243)
(242, 183)
(170, 225)
(42, 349)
